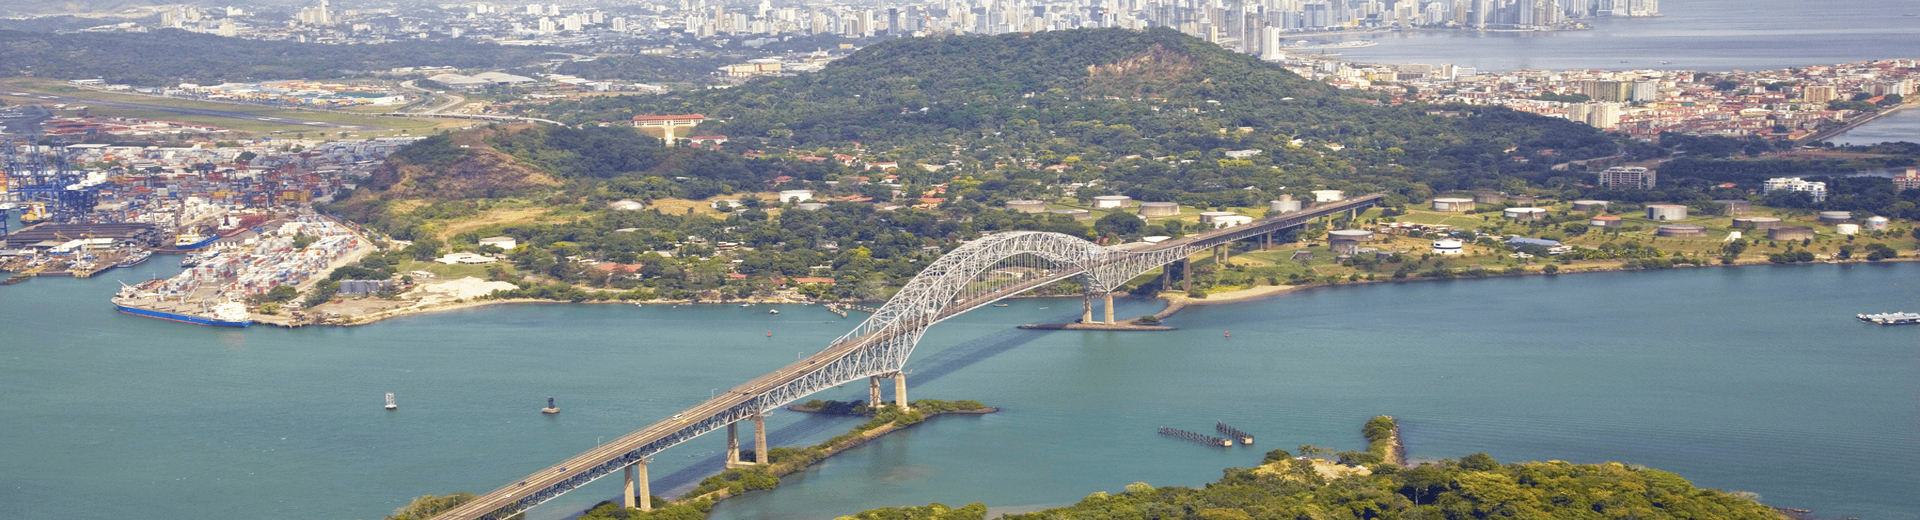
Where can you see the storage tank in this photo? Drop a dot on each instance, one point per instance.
(788, 195)
(1522, 199)
(1350, 235)
(1681, 230)
(1207, 217)
(1605, 221)
(1284, 205)
(1847, 229)
(1835, 217)
(1446, 246)
(1876, 224)
(1736, 206)
(1326, 195)
(1077, 214)
(1589, 205)
(1666, 212)
(1756, 222)
(1452, 204)
(1111, 201)
(1789, 233)
(1524, 213)
(1159, 209)
(812, 206)
(1027, 206)
(1488, 198)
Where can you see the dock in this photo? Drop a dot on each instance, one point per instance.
(1892, 318)
(1197, 437)
(1233, 433)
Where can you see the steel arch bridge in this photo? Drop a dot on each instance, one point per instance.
(976, 274)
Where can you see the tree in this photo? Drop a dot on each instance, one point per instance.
(423, 249)
(281, 293)
(1479, 462)
(1119, 224)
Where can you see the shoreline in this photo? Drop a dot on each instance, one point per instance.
(1175, 301)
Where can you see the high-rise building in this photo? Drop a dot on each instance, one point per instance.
(1819, 93)
(1633, 177)
(619, 24)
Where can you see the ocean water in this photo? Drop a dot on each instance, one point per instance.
(1752, 378)
(1712, 35)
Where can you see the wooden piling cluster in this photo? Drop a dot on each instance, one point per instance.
(1197, 437)
(1233, 433)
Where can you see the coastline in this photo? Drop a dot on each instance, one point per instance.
(1175, 301)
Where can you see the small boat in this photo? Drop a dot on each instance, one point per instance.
(746, 305)
(138, 257)
(999, 305)
(638, 305)
(773, 311)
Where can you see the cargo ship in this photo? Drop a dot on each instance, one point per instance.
(229, 314)
(1892, 318)
(225, 314)
(137, 257)
(190, 241)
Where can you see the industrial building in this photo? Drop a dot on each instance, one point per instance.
(1847, 229)
(1632, 177)
(1817, 189)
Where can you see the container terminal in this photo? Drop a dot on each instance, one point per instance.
(214, 290)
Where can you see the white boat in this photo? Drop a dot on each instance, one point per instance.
(773, 311)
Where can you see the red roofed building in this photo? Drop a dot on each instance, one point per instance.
(828, 281)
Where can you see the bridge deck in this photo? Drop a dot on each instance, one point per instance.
(737, 396)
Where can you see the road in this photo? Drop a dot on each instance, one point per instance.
(456, 100)
(182, 110)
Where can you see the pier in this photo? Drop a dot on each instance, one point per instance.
(1196, 437)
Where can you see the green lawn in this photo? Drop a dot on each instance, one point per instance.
(451, 272)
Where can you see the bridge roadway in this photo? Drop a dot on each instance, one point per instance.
(737, 396)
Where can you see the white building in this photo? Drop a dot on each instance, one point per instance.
(500, 242)
(1447, 246)
(1817, 189)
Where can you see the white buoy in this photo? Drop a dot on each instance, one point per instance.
(390, 405)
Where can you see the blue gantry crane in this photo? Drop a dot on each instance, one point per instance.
(37, 177)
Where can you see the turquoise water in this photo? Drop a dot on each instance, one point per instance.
(1751, 378)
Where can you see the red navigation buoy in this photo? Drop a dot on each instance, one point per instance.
(1229, 334)
(769, 333)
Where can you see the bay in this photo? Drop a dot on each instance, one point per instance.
(1708, 35)
(1749, 378)
(1898, 126)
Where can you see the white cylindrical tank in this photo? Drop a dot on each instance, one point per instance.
(1351, 235)
(1524, 213)
(1284, 205)
(1452, 204)
(1446, 246)
(1111, 201)
(1666, 212)
(1836, 217)
(1207, 217)
(1589, 205)
(1326, 195)
(1027, 206)
(1847, 229)
(1877, 224)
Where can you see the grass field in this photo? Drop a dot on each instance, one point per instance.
(450, 272)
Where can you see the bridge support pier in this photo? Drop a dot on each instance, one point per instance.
(900, 390)
(645, 491)
(1086, 309)
(733, 444)
(1186, 273)
(760, 440)
(1109, 307)
(873, 391)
